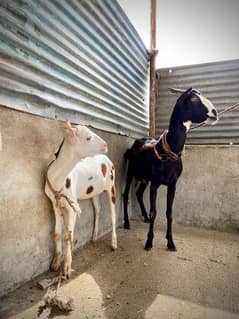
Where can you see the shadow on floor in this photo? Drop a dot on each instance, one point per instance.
(200, 280)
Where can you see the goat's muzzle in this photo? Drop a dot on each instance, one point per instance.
(212, 117)
(212, 120)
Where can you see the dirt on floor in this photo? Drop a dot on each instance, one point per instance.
(199, 280)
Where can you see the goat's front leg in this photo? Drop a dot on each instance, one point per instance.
(170, 198)
(69, 221)
(56, 261)
(129, 179)
(152, 216)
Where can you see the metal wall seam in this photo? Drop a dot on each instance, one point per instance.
(219, 82)
(69, 55)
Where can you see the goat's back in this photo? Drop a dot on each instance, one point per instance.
(139, 158)
(138, 146)
(144, 165)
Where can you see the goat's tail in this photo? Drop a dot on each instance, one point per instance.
(127, 155)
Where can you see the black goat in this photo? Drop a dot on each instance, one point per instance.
(159, 161)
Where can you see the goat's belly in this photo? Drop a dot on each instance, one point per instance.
(91, 176)
(167, 178)
(90, 190)
(87, 186)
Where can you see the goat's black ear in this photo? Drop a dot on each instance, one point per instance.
(188, 92)
(185, 95)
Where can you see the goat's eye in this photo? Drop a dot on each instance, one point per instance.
(89, 138)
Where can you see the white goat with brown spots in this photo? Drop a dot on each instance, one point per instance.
(78, 173)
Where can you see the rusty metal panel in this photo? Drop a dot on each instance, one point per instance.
(219, 82)
(75, 59)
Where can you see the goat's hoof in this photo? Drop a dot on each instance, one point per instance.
(148, 246)
(56, 263)
(67, 271)
(114, 244)
(126, 225)
(146, 220)
(55, 268)
(172, 247)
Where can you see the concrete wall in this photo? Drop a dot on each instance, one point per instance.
(28, 143)
(207, 191)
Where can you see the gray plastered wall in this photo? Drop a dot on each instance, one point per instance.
(28, 144)
(207, 193)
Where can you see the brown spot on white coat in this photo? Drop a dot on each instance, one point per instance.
(113, 199)
(89, 189)
(103, 169)
(68, 182)
(113, 194)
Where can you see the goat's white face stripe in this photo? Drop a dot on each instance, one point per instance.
(211, 116)
(207, 104)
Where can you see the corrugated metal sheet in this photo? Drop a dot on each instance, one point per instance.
(217, 81)
(80, 60)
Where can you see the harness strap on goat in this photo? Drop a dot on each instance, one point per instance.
(58, 195)
(170, 154)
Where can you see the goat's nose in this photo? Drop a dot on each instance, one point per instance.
(214, 112)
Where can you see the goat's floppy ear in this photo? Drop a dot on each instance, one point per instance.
(185, 95)
(188, 92)
(71, 131)
(175, 90)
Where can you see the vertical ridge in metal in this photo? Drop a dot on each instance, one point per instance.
(153, 53)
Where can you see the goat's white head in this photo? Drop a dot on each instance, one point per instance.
(196, 108)
(84, 141)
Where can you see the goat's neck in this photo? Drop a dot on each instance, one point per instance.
(176, 136)
(61, 167)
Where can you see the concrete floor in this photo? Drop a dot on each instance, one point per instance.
(200, 280)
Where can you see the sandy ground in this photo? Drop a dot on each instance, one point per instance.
(200, 280)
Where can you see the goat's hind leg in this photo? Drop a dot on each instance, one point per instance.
(112, 200)
(96, 204)
(56, 261)
(129, 179)
(139, 195)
